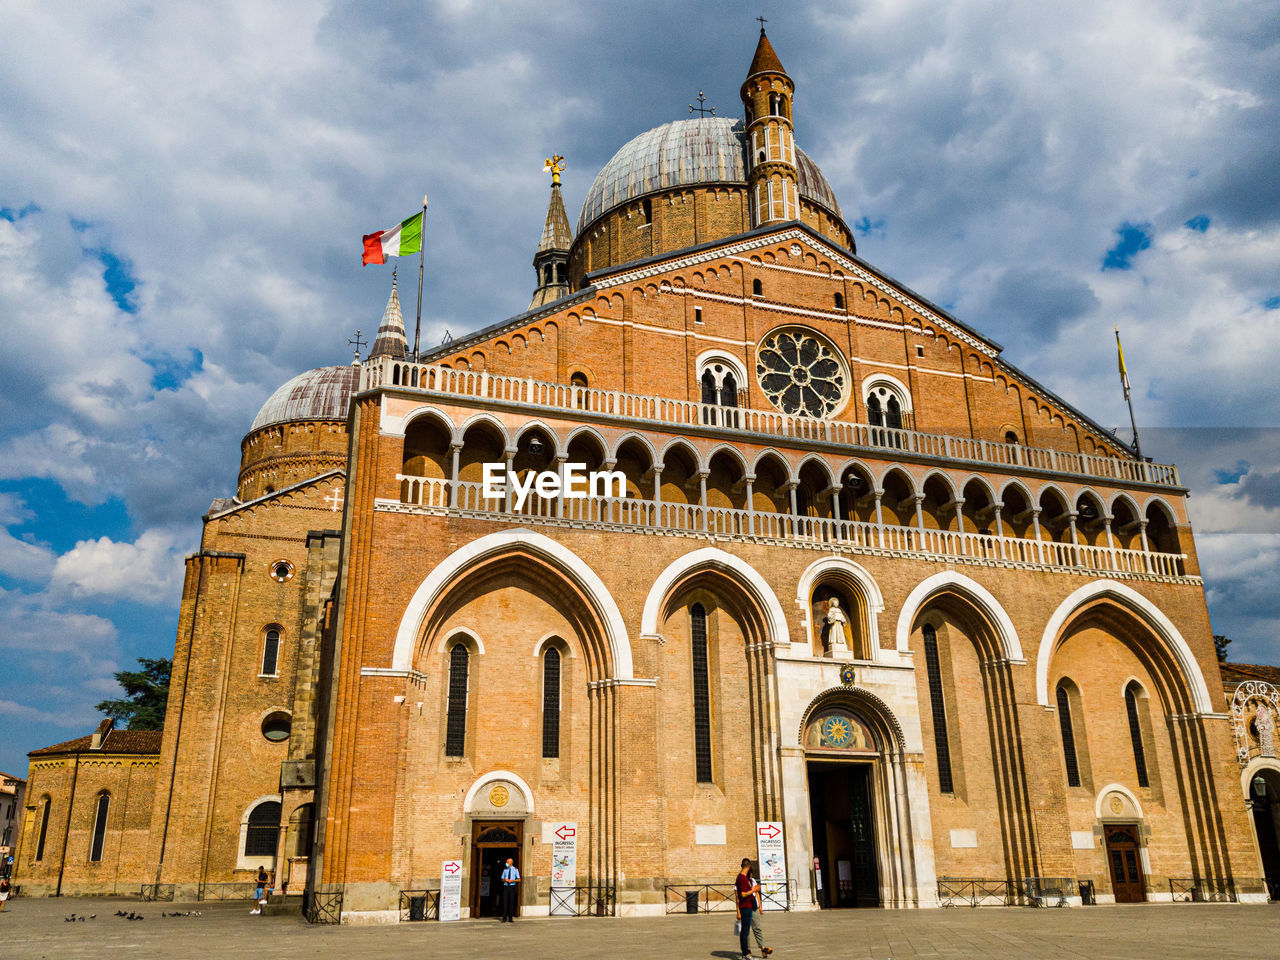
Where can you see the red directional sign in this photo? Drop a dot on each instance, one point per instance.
(768, 830)
(451, 867)
(566, 831)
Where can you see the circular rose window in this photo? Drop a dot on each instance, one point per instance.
(801, 374)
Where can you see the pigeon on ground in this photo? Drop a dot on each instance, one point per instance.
(70, 919)
(120, 913)
(93, 916)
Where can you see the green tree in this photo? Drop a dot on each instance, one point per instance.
(1220, 645)
(146, 695)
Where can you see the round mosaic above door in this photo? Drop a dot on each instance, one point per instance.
(801, 374)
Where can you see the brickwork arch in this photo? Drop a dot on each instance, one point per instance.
(556, 556)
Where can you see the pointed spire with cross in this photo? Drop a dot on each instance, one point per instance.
(763, 21)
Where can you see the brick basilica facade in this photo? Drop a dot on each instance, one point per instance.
(867, 580)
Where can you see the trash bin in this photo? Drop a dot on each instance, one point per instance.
(691, 901)
(1087, 898)
(417, 908)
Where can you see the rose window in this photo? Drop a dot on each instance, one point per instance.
(801, 374)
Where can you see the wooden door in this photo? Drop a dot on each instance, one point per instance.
(492, 842)
(1125, 864)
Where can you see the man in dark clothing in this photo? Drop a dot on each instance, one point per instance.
(749, 911)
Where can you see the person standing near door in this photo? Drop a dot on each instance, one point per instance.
(749, 911)
(510, 884)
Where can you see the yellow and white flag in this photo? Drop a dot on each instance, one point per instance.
(1124, 374)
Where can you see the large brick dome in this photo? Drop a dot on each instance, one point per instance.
(686, 152)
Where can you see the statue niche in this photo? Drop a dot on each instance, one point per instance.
(835, 618)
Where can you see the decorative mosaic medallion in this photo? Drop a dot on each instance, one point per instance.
(846, 675)
(800, 374)
(836, 731)
(1117, 805)
(499, 796)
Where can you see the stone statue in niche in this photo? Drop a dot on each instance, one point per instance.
(1265, 724)
(833, 629)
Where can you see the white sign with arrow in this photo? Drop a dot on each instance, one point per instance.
(773, 865)
(564, 865)
(451, 890)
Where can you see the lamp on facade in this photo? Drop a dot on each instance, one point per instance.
(1260, 787)
(536, 446)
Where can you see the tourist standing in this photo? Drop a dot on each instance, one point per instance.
(258, 890)
(749, 911)
(4, 892)
(510, 884)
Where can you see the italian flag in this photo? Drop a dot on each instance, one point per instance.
(401, 240)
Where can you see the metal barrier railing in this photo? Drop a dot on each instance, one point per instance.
(322, 906)
(1049, 891)
(700, 897)
(586, 901)
(418, 905)
(240, 890)
(152, 892)
(1202, 890)
(978, 892)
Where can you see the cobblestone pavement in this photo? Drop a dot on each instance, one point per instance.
(35, 929)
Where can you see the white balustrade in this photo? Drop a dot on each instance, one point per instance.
(386, 372)
(433, 495)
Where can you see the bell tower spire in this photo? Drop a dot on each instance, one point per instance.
(551, 262)
(772, 178)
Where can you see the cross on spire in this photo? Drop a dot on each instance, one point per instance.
(763, 21)
(700, 109)
(357, 342)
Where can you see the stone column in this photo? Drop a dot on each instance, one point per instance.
(506, 497)
(560, 461)
(1035, 522)
(456, 450)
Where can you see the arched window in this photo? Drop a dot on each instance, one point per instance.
(757, 288)
(937, 704)
(44, 829)
(455, 737)
(893, 413)
(1135, 734)
(263, 830)
(1068, 737)
(100, 814)
(701, 694)
(839, 301)
(579, 384)
(719, 384)
(271, 653)
(875, 412)
(551, 703)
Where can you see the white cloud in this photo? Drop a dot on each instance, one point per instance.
(149, 570)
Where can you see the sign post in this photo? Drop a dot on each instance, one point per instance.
(773, 865)
(451, 890)
(564, 868)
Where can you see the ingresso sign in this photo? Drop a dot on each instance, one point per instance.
(575, 484)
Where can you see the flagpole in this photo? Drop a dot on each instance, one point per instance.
(422, 259)
(1124, 382)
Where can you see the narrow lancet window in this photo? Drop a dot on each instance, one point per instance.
(551, 703)
(1068, 737)
(455, 738)
(941, 744)
(271, 653)
(100, 826)
(701, 695)
(1135, 734)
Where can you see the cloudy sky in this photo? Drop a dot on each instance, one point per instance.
(183, 188)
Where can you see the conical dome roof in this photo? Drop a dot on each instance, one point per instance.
(391, 340)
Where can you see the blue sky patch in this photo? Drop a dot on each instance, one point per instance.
(1134, 237)
(117, 274)
(1272, 303)
(866, 227)
(13, 216)
(172, 372)
(1200, 224)
(62, 522)
(1232, 475)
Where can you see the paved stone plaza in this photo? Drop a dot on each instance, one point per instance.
(35, 930)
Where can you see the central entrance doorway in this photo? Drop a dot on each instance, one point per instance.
(843, 833)
(492, 842)
(1125, 864)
